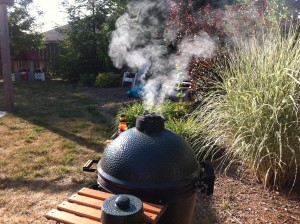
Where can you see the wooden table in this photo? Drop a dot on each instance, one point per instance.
(84, 207)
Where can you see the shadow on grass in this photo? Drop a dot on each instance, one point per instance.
(98, 147)
(54, 104)
(39, 185)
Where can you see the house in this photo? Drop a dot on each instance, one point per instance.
(33, 59)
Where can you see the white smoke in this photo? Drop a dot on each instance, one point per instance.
(133, 42)
(140, 36)
(201, 46)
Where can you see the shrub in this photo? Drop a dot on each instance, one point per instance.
(187, 128)
(176, 110)
(169, 110)
(255, 116)
(190, 131)
(105, 80)
(204, 77)
(131, 112)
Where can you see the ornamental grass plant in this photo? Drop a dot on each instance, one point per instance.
(254, 114)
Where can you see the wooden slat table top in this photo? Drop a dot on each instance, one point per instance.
(84, 207)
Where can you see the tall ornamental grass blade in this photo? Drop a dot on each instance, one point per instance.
(254, 116)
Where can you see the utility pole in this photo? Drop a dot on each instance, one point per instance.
(5, 55)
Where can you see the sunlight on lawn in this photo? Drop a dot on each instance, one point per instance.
(53, 131)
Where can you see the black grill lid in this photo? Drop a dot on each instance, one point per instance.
(148, 157)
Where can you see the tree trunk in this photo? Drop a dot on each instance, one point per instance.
(5, 57)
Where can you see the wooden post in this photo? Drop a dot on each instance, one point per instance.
(5, 55)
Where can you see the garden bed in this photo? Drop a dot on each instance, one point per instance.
(241, 199)
(237, 199)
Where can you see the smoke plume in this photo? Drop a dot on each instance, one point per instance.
(141, 35)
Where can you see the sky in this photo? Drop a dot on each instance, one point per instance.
(52, 13)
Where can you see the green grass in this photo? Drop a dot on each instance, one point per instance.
(53, 130)
(44, 143)
(255, 115)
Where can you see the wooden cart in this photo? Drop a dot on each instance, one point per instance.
(84, 207)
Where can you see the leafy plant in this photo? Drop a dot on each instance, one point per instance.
(131, 112)
(171, 110)
(185, 127)
(85, 47)
(24, 30)
(223, 20)
(107, 80)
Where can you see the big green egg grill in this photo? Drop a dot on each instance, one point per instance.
(157, 166)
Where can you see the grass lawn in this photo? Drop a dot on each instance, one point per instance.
(53, 131)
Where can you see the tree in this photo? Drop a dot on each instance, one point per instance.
(23, 29)
(223, 20)
(85, 49)
(5, 63)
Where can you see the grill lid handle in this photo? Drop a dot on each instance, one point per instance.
(150, 123)
(123, 209)
(123, 202)
(87, 167)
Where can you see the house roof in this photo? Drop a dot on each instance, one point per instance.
(55, 35)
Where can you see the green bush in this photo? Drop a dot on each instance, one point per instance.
(256, 114)
(169, 110)
(131, 112)
(185, 127)
(105, 80)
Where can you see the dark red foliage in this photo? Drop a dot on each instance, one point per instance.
(221, 24)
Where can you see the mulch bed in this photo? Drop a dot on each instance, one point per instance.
(240, 198)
